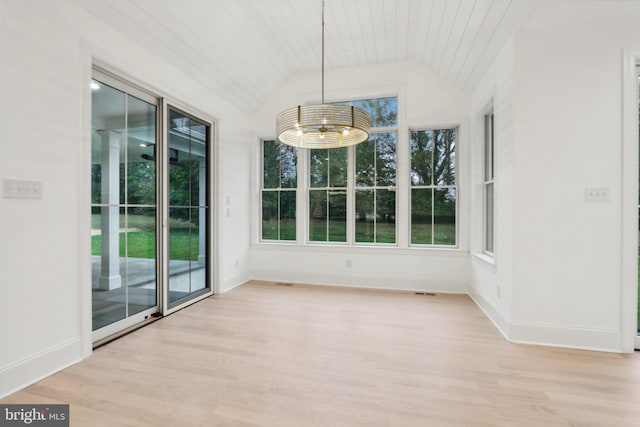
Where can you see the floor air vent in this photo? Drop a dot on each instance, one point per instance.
(429, 294)
(284, 284)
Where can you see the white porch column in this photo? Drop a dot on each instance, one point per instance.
(110, 273)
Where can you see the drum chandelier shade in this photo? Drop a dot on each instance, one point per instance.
(323, 125)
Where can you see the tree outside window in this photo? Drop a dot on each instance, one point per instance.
(433, 186)
(278, 194)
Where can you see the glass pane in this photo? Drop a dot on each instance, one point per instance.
(181, 163)
(421, 216)
(288, 215)
(444, 216)
(318, 216)
(319, 168)
(288, 167)
(383, 111)
(488, 227)
(108, 294)
(421, 157)
(338, 167)
(188, 253)
(385, 216)
(365, 162)
(196, 163)
(337, 216)
(183, 248)
(488, 147)
(365, 215)
(141, 143)
(141, 258)
(179, 183)
(270, 164)
(444, 158)
(386, 159)
(107, 147)
(198, 279)
(269, 215)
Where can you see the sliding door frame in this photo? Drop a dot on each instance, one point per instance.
(164, 103)
(131, 89)
(212, 225)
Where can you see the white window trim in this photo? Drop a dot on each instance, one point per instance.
(277, 190)
(486, 182)
(427, 246)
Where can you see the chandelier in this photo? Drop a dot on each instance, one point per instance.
(323, 125)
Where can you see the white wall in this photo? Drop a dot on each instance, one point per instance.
(568, 92)
(560, 87)
(46, 49)
(492, 277)
(423, 100)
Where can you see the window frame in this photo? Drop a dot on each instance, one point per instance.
(433, 187)
(375, 188)
(278, 190)
(351, 186)
(488, 180)
(328, 189)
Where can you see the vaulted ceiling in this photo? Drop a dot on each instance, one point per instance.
(244, 50)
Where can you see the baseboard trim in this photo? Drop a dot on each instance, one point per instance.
(566, 337)
(389, 284)
(495, 316)
(20, 374)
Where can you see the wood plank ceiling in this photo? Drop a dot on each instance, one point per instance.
(244, 50)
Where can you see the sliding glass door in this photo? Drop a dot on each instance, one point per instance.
(150, 206)
(123, 205)
(188, 195)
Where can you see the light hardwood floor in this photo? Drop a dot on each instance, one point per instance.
(267, 354)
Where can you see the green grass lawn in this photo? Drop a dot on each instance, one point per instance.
(142, 244)
(445, 234)
(141, 239)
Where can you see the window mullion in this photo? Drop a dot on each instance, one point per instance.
(351, 195)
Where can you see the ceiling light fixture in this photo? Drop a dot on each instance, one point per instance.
(323, 125)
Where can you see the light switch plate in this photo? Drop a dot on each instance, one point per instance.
(593, 194)
(21, 189)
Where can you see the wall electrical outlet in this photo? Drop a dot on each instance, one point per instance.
(21, 189)
(592, 194)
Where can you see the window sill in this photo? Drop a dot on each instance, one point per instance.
(363, 249)
(490, 260)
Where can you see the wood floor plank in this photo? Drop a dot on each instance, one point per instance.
(266, 354)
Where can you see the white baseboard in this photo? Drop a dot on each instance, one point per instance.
(494, 315)
(29, 370)
(395, 284)
(233, 282)
(550, 335)
(567, 337)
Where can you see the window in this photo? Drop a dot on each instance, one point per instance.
(375, 191)
(279, 182)
(371, 193)
(433, 187)
(488, 184)
(328, 195)
(351, 192)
